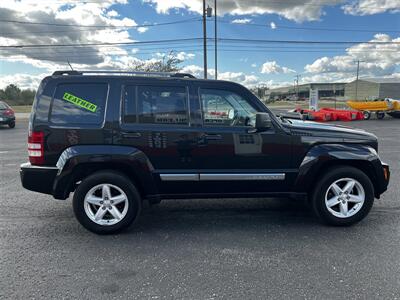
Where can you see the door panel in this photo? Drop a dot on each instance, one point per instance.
(232, 159)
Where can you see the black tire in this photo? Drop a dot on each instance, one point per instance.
(11, 125)
(380, 115)
(394, 114)
(318, 195)
(367, 115)
(113, 178)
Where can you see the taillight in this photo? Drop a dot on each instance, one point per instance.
(9, 112)
(35, 147)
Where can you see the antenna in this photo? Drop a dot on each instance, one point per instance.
(70, 65)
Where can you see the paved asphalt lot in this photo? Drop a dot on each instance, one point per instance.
(197, 249)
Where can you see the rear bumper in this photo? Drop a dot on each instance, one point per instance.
(38, 178)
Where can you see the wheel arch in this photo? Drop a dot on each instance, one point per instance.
(78, 162)
(323, 157)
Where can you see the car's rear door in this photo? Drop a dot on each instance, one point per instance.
(155, 118)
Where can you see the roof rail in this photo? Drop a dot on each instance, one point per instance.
(140, 73)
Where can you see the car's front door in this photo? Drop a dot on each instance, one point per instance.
(231, 156)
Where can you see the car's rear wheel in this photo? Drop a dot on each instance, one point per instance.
(11, 124)
(343, 196)
(106, 202)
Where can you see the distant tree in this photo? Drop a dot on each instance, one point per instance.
(167, 63)
(12, 92)
(13, 95)
(27, 96)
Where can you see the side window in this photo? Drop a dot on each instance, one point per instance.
(129, 100)
(79, 103)
(162, 105)
(226, 108)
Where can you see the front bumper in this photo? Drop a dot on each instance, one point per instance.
(6, 119)
(385, 178)
(38, 178)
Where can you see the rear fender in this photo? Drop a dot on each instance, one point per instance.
(77, 162)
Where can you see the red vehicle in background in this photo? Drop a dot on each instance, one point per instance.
(326, 114)
(7, 116)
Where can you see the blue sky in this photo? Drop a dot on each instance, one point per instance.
(246, 62)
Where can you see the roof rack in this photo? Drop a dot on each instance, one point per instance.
(140, 73)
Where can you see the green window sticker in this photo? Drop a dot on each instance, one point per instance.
(80, 102)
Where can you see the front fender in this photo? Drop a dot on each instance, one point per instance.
(76, 161)
(325, 155)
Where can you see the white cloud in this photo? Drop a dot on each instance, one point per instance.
(376, 60)
(77, 13)
(112, 13)
(254, 65)
(184, 55)
(142, 29)
(299, 10)
(370, 7)
(241, 21)
(273, 25)
(239, 77)
(272, 67)
(23, 81)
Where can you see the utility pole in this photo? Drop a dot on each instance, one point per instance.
(358, 71)
(297, 86)
(215, 40)
(204, 39)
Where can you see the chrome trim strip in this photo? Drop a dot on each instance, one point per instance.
(179, 177)
(241, 176)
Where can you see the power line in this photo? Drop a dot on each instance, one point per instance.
(63, 57)
(99, 26)
(226, 40)
(98, 44)
(6, 34)
(311, 28)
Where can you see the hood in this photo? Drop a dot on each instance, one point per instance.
(309, 128)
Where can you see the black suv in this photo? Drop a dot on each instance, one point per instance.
(117, 139)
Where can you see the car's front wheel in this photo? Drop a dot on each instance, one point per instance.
(343, 196)
(106, 202)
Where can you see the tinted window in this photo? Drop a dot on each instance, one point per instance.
(79, 103)
(162, 105)
(221, 107)
(129, 100)
(3, 105)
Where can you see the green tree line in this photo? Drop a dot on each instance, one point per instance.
(13, 95)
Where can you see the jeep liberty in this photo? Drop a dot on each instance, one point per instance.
(116, 139)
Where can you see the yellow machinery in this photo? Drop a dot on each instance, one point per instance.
(389, 106)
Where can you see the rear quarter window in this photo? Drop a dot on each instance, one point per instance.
(79, 103)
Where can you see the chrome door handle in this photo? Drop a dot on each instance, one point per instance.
(212, 136)
(131, 134)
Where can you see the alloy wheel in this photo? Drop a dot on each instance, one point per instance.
(106, 204)
(345, 197)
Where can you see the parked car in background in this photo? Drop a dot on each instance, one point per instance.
(7, 116)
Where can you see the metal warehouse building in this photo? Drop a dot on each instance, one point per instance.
(326, 90)
(373, 88)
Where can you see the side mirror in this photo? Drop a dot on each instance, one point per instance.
(263, 121)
